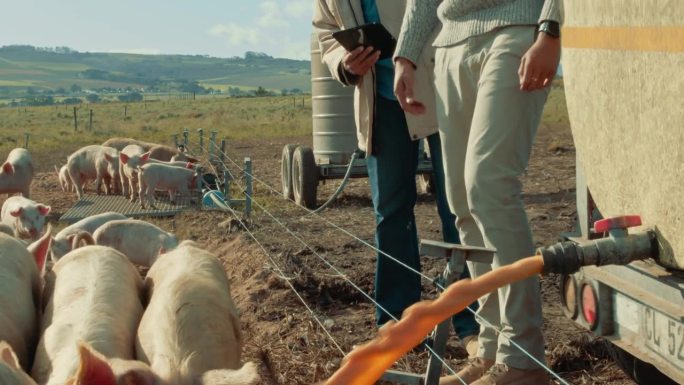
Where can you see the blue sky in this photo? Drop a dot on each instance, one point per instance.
(221, 28)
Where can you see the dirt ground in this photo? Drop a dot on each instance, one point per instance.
(281, 334)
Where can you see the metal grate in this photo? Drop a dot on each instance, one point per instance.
(98, 204)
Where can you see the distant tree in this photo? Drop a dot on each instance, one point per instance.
(93, 98)
(75, 88)
(261, 91)
(131, 97)
(72, 101)
(284, 92)
(60, 91)
(30, 91)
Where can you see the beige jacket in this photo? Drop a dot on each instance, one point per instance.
(334, 15)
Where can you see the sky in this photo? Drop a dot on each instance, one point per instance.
(220, 28)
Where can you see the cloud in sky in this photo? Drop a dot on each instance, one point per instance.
(280, 29)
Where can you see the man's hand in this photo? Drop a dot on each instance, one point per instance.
(359, 61)
(540, 62)
(404, 79)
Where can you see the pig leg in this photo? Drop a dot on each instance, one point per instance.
(124, 185)
(132, 187)
(78, 181)
(108, 184)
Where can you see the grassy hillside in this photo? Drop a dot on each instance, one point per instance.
(25, 69)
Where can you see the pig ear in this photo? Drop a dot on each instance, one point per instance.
(145, 157)
(7, 168)
(110, 158)
(40, 249)
(122, 157)
(93, 368)
(16, 212)
(7, 355)
(44, 210)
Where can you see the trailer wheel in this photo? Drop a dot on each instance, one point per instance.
(304, 177)
(286, 170)
(640, 371)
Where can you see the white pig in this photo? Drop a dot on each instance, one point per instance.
(186, 288)
(25, 216)
(64, 179)
(154, 176)
(10, 369)
(20, 294)
(93, 297)
(140, 241)
(168, 153)
(61, 244)
(96, 369)
(120, 143)
(94, 162)
(130, 158)
(17, 173)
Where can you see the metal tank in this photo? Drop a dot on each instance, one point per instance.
(623, 64)
(334, 130)
(623, 67)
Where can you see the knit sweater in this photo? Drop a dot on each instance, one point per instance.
(462, 19)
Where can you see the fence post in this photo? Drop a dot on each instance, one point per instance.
(201, 139)
(212, 145)
(222, 155)
(175, 140)
(75, 120)
(126, 111)
(248, 187)
(90, 127)
(186, 133)
(26, 140)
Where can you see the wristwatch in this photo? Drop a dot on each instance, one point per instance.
(550, 27)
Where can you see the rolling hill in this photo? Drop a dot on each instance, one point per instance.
(26, 70)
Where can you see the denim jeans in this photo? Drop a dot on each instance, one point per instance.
(392, 177)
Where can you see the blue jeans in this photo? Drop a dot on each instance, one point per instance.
(392, 176)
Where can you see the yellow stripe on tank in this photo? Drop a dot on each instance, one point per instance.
(653, 39)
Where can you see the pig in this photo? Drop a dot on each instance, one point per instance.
(92, 297)
(17, 173)
(21, 285)
(166, 153)
(64, 179)
(120, 143)
(6, 229)
(155, 176)
(130, 158)
(140, 241)
(185, 288)
(24, 216)
(96, 369)
(62, 242)
(10, 369)
(94, 162)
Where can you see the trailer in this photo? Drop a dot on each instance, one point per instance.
(623, 67)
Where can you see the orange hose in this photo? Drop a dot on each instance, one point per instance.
(367, 363)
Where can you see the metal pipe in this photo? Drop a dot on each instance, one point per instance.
(620, 248)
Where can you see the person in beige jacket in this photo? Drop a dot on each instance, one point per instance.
(390, 139)
(495, 60)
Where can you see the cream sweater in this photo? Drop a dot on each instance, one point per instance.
(462, 19)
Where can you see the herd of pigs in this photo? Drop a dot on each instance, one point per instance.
(91, 319)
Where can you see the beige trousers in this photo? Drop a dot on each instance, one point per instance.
(487, 126)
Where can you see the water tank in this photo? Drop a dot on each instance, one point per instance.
(623, 65)
(334, 130)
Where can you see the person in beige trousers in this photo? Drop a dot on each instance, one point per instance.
(494, 62)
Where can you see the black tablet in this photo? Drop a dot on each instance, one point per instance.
(372, 34)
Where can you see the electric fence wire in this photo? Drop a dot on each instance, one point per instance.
(332, 224)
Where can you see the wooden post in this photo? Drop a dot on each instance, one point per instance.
(201, 138)
(75, 120)
(90, 126)
(26, 140)
(125, 111)
(222, 155)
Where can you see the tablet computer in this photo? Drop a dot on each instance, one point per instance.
(372, 34)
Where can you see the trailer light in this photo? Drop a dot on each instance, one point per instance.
(589, 306)
(568, 292)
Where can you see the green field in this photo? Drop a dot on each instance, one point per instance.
(52, 128)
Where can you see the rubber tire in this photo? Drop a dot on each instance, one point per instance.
(286, 170)
(640, 371)
(304, 177)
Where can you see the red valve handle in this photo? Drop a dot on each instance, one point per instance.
(623, 222)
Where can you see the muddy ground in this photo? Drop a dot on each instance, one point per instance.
(281, 334)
